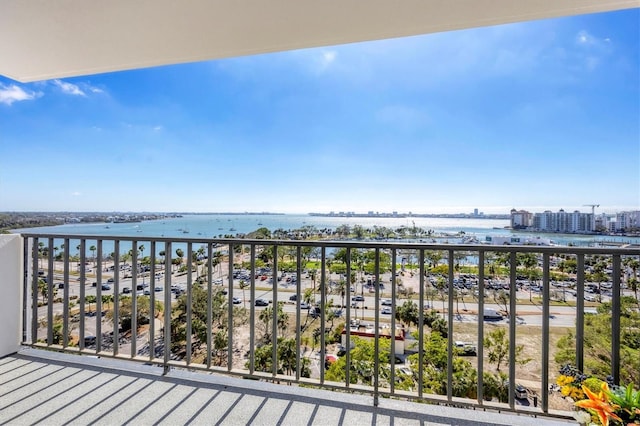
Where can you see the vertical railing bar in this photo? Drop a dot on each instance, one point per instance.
(252, 312)
(376, 344)
(210, 312)
(50, 295)
(34, 290)
(480, 344)
(274, 321)
(152, 299)
(450, 327)
(615, 321)
(83, 282)
(580, 313)
(347, 341)
(421, 325)
(230, 310)
(392, 355)
(98, 311)
(66, 294)
(546, 274)
(189, 299)
(116, 297)
(209, 302)
(298, 287)
(323, 303)
(512, 329)
(98, 300)
(134, 297)
(166, 329)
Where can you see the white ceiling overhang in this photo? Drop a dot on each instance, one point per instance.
(44, 39)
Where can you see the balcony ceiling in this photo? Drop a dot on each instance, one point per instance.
(44, 39)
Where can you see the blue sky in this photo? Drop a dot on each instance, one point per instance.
(537, 115)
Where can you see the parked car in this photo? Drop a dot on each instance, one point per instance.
(293, 297)
(236, 301)
(126, 290)
(492, 315)
(386, 302)
(304, 305)
(521, 392)
(387, 310)
(106, 287)
(60, 285)
(261, 302)
(358, 298)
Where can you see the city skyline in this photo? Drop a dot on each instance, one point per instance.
(541, 115)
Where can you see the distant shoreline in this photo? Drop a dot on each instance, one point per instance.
(410, 215)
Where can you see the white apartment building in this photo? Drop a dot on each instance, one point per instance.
(625, 221)
(562, 221)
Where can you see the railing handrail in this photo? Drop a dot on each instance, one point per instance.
(358, 244)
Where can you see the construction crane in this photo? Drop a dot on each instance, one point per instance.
(593, 214)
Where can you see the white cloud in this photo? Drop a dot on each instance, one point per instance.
(329, 56)
(95, 89)
(157, 128)
(76, 194)
(584, 37)
(13, 93)
(68, 88)
(593, 49)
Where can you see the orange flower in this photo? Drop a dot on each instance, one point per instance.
(599, 404)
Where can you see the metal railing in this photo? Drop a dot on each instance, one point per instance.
(110, 306)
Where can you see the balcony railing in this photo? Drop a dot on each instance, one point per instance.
(200, 304)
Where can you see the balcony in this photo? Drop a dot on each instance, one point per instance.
(199, 339)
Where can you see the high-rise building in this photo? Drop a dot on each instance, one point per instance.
(521, 219)
(627, 221)
(562, 221)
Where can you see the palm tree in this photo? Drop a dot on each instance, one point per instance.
(243, 285)
(40, 251)
(632, 282)
(107, 299)
(179, 253)
(141, 248)
(90, 299)
(78, 255)
(200, 253)
(93, 249)
(162, 255)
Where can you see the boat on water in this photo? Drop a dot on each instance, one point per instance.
(232, 229)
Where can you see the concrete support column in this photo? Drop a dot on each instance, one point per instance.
(11, 289)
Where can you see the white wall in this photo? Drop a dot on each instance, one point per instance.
(11, 290)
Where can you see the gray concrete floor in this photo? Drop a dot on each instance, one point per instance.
(41, 387)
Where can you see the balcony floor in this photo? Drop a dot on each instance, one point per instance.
(50, 388)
